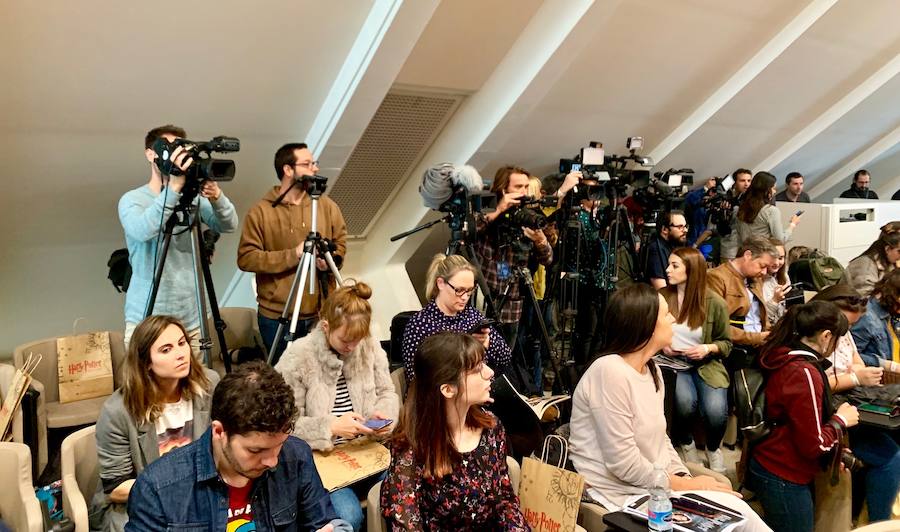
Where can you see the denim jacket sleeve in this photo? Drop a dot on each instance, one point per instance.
(313, 501)
(145, 511)
(865, 334)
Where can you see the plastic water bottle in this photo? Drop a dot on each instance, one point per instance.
(659, 509)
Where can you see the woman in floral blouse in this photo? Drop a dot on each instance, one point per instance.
(448, 458)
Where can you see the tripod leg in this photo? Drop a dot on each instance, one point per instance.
(158, 271)
(296, 295)
(200, 293)
(545, 334)
(218, 322)
(329, 259)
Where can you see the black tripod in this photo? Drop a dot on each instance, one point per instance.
(523, 275)
(187, 215)
(314, 245)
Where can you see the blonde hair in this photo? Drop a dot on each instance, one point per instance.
(534, 187)
(141, 393)
(349, 305)
(444, 267)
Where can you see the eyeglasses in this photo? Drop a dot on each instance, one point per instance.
(309, 164)
(681, 227)
(460, 292)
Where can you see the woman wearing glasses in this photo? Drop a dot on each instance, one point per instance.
(448, 455)
(451, 282)
(877, 449)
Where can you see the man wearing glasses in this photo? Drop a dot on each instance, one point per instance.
(673, 231)
(272, 241)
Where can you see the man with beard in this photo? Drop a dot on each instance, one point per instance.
(672, 234)
(859, 189)
(245, 470)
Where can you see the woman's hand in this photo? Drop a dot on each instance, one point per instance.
(120, 493)
(483, 336)
(349, 426)
(703, 482)
(795, 221)
(869, 376)
(667, 350)
(697, 352)
(383, 430)
(848, 413)
(780, 291)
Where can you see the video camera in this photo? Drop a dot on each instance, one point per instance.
(719, 203)
(204, 168)
(615, 170)
(665, 192)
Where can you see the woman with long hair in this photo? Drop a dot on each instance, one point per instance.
(618, 429)
(341, 379)
(163, 404)
(804, 425)
(701, 337)
(879, 259)
(757, 216)
(775, 284)
(450, 283)
(448, 455)
(878, 449)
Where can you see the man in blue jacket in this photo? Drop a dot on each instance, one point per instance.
(245, 473)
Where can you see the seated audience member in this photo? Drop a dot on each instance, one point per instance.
(793, 191)
(875, 333)
(246, 469)
(859, 188)
(737, 282)
(163, 403)
(340, 378)
(450, 284)
(867, 269)
(448, 458)
(804, 424)
(618, 429)
(673, 231)
(876, 448)
(702, 339)
(775, 284)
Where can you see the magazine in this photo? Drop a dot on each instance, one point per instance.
(539, 405)
(691, 513)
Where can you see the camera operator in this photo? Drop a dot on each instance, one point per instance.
(498, 259)
(695, 210)
(272, 242)
(672, 233)
(729, 243)
(143, 213)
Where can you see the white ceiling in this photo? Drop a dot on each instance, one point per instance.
(83, 81)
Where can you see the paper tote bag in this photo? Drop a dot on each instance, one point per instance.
(85, 366)
(549, 496)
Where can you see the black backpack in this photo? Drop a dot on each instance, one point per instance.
(749, 395)
(119, 270)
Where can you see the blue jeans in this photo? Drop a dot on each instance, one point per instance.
(881, 454)
(346, 500)
(788, 507)
(268, 327)
(693, 396)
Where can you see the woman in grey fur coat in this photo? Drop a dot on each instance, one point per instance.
(341, 380)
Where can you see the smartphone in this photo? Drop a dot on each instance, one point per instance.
(798, 213)
(876, 409)
(480, 326)
(377, 424)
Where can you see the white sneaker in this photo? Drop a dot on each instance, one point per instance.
(689, 453)
(716, 460)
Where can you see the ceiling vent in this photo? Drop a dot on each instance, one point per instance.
(403, 128)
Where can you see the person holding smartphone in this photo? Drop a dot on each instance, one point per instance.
(701, 338)
(342, 385)
(757, 216)
(776, 284)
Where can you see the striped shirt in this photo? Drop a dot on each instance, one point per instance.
(342, 403)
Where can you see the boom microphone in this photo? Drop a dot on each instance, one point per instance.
(439, 181)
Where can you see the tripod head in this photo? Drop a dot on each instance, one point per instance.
(314, 185)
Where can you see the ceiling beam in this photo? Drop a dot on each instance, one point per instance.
(863, 158)
(887, 190)
(832, 115)
(743, 76)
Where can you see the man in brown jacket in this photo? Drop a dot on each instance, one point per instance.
(738, 282)
(272, 242)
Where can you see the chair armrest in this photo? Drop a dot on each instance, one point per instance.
(590, 516)
(73, 501)
(41, 425)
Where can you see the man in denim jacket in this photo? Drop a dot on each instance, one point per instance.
(244, 473)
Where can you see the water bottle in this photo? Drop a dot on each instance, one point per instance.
(659, 509)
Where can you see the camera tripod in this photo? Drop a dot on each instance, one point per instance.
(315, 244)
(187, 214)
(523, 275)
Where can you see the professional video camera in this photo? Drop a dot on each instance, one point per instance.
(458, 191)
(204, 167)
(666, 191)
(616, 170)
(719, 204)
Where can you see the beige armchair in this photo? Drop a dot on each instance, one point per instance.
(7, 373)
(78, 412)
(19, 507)
(400, 385)
(241, 330)
(80, 475)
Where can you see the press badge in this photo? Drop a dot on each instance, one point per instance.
(503, 270)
